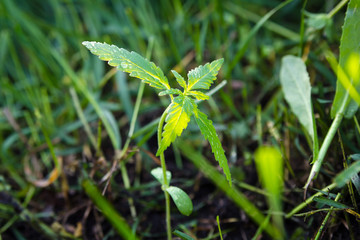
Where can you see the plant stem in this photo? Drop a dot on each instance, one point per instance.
(337, 8)
(318, 235)
(309, 200)
(166, 183)
(82, 117)
(324, 148)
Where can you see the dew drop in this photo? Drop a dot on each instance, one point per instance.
(124, 65)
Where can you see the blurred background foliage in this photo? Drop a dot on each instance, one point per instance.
(42, 61)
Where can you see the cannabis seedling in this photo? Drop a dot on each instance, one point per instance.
(176, 116)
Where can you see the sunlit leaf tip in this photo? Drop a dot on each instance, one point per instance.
(179, 79)
(203, 76)
(130, 62)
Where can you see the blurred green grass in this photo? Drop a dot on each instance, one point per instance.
(41, 59)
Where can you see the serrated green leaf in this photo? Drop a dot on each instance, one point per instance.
(203, 76)
(296, 87)
(179, 79)
(179, 113)
(198, 95)
(158, 174)
(130, 62)
(181, 200)
(208, 130)
(349, 45)
(171, 91)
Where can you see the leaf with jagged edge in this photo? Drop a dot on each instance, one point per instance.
(203, 76)
(177, 119)
(208, 130)
(198, 95)
(179, 79)
(170, 92)
(129, 62)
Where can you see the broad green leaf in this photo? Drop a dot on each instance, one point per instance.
(130, 62)
(179, 79)
(345, 176)
(198, 95)
(330, 202)
(296, 87)
(179, 113)
(203, 76)
(158, 174)
(171, 91)
(208, 130)
(181, 200)
(349, 45)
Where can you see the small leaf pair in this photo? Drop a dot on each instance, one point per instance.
(180, 198)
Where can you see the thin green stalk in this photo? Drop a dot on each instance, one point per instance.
(217, 88)
(98, 142)
(82, 117)
(309, 200)
(302, 29)
(318, 234)
(218, 222)
(324, 148)
(166, 183)
(337, 8)
(345, 164)
(52, 150)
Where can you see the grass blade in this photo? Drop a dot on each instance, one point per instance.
(348, 174)
(117, 221)
(349, 44)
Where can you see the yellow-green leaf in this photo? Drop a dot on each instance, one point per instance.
(198, 95)
(203, 76)
(179, 113)
(170, 91)
(130, 62)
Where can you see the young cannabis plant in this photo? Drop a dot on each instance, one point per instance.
(177, 115)
(183, 106)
